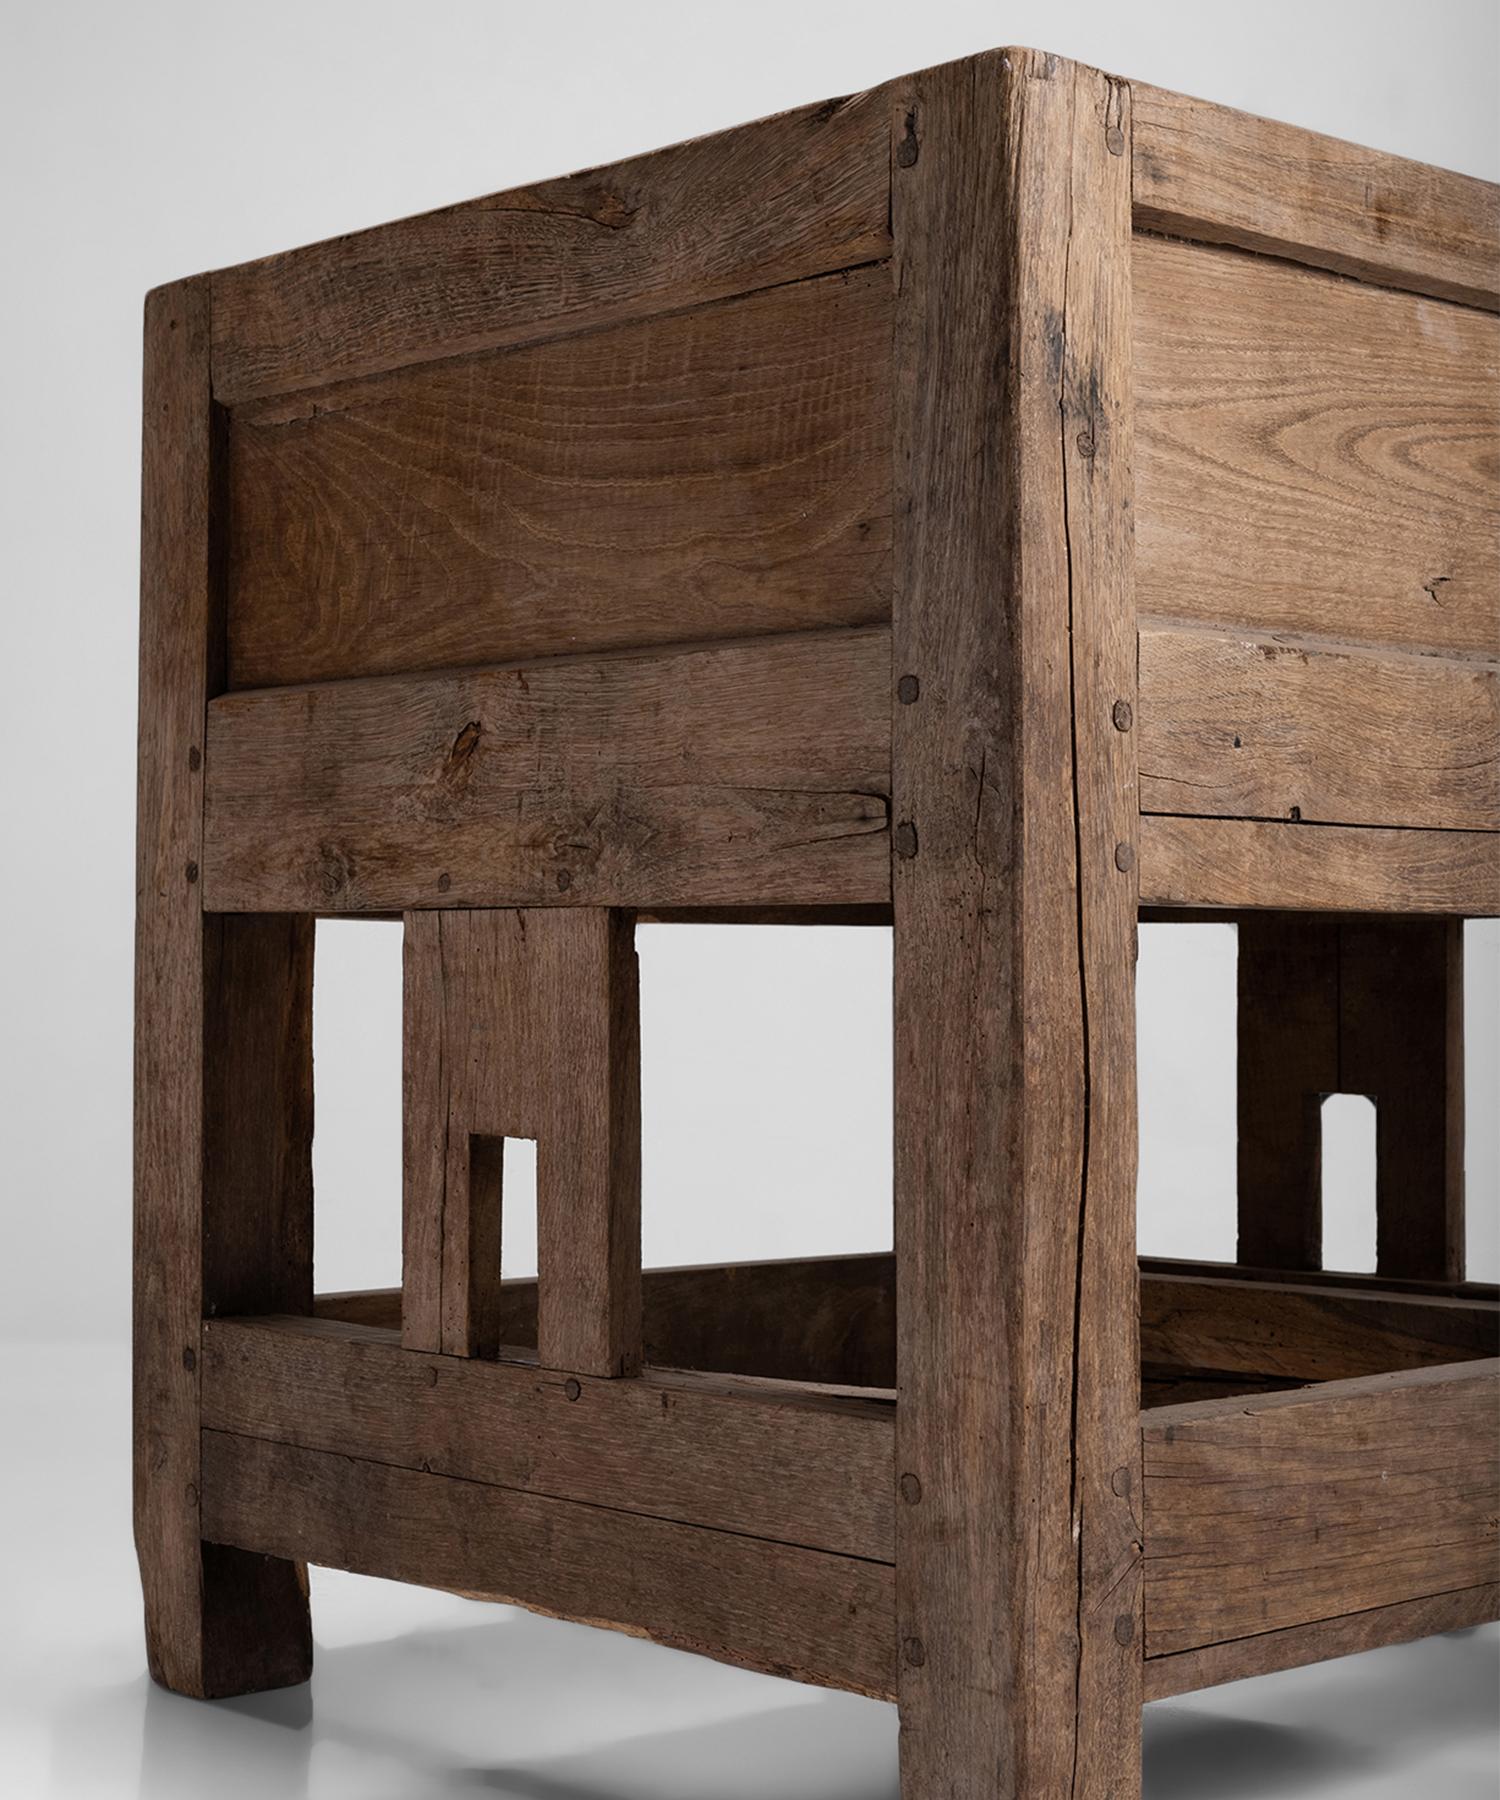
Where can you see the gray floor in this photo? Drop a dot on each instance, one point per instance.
(421, 1694)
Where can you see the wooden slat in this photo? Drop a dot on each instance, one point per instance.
(1300, 1645)
(1255, 727)
(716, 473)
(1401, 1012)
(222, 1066)
(761, 1458)
(1314, 456)
(1282, 1509)
(1017, 1543)
(1487, 1291)
(1286, 1042)
(1307, 1333)
(523, 1025)
(751, 773)
(801, 1613)
(833, 1320)
(801, 194)
(1205, 171)
(1252, 863)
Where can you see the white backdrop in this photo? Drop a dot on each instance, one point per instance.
(146, 141)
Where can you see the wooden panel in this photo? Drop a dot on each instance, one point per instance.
(1318, 868)
(1017, 1538)
(1204, 171)
(1253, 727)
(1487, 1291)
(523, 1025)
(754, 1457)
(1314, 456)
(748, 773)
(800, 1613)
(801, 194)
(711, 474)
(833, 1320)
(1280, 1509)
(221, 1060)
(1299, 1645)
(1306, 1333)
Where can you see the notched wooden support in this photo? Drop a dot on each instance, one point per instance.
(523, 1024)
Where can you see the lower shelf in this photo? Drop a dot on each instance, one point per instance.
(752, 1518)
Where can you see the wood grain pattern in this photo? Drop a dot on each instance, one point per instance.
(711, 474)
(1257, 727)
(1280, 1509)
(1298, 1645)
(1305, 1332)
(1208, 172)
(806, 1614)
(1286, 1060)
(832, 1320)
(747, 773)
(801, 194)
(523, 1024)
(1401, 1004)
(1314, 456)
(1017, 1546)
(1352, 1006)
(762, 1458)
(221, 1054)
(1249, 863)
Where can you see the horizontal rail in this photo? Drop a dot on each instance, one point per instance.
(756, 1457)
(804, 193)
(1298, 1645)
(1256, 863)
(750, 773)
(1251, 726)
(1269, 1511)
(801, 1613)
(832, 1319)
(1207, 172)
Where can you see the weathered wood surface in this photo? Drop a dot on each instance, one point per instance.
(1017, 1435)
(523, 1024)
(1401, 1008)
(801, 1613)
(1308, 1333)
(1275, 1510)
(1255, 727)
(1298, 1645)
(833, 1320)
(718, 473)
(751, 773)
(1314, 456)
(762, 1458)
(222, 1063)
(1207, 172)
(1254, 863)
(1352, 1006)
(1487, 1291)
(805, 193)
(1286, 1047)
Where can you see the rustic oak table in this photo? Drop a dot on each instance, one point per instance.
(993, 504)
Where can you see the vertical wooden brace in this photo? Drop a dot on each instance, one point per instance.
(522, 1023)
(1018, 1453)
(1369, 1006)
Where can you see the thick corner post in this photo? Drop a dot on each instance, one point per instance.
(223, 1075)
(1018, 1437)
